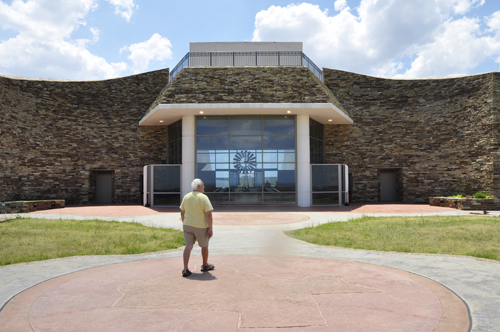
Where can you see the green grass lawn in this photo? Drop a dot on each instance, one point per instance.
(27, 240)
(455, 235)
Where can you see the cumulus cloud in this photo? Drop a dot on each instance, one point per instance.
(340, 5)
(124, 8)
(379, 37)
(43, 47)
(156, 48)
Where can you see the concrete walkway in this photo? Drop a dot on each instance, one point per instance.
(243, 246)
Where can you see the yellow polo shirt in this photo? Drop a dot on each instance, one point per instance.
(195, 204)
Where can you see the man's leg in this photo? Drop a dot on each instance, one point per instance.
(186, 255)
(204, 255)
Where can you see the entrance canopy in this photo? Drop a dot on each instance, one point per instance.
(325, 113)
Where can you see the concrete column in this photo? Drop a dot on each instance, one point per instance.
(303, 162)
(188, 153)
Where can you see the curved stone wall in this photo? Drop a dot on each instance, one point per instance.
(438, 135)
(55, 136)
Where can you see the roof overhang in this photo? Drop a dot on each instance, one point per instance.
(325, 113)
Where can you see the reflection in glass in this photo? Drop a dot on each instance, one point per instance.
(282, 156)
(166, 178)
(211, 143)
(212, 125)
(279, 177)
(214, 176)
(279, 199)
(218, 199)
(246, 198)
(279, 125)
(246, 178)
(246, 143)
(279, 143)
(246, 165)
(325, 177)
(246, 125)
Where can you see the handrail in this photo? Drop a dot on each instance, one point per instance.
(272, 58)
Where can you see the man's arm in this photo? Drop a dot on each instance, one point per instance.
(208, 216)
(182, 215)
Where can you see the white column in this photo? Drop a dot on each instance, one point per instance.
(188, 153)
(303, 162)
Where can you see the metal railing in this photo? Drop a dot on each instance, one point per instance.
(225, 59)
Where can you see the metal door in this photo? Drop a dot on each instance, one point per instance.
(388, 186)
(104, 187)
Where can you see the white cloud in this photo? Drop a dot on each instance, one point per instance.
(459, 7)
(456, 49)
(124, 8)
(156, 48)
(43, 46)
(95, 32)
(340, 5)
(376, 36)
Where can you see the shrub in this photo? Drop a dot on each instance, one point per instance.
(481, 195)
(457, 196)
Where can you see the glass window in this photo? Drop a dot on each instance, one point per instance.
(279, 143)
(246, 143)
(246, 178)
(214, 176)
(325, 177)
(166, 178)
(246, 198)
(236, 155)
(279, 125)
(316, 130)
(246, 125)
(218, 199)
(175, 131)
(237, 169)
(279, 199)
(325, 198)
(212, 143)
(212, 125)
(166, 199)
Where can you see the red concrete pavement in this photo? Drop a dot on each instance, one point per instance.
(243, 293)
(139, 210)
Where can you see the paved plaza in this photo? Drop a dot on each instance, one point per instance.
(263, 281)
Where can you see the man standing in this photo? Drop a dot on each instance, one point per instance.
(196, 216)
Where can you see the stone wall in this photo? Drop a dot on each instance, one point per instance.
(463, 203)
(440, 135)
(54, 134)
(245, 85)
(30, 206)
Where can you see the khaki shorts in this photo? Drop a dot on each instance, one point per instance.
(192, 234)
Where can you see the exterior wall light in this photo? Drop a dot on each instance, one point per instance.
(161, 121)
(288, 112)
(330, 120)
(201, 112)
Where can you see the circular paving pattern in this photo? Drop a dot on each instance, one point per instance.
(243, 293)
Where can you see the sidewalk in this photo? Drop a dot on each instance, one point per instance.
(249, 249)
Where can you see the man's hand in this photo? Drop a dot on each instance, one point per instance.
(210, 233)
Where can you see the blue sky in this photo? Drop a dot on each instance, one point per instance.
(98, 39)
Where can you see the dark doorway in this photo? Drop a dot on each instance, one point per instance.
(388, 186)
(104, 187)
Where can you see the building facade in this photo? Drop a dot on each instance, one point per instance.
(259, 123)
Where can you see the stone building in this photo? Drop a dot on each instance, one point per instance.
(259, 123)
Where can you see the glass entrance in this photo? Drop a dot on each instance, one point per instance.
(247, 160)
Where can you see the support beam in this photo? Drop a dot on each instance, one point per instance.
(303, 162)
(188, 154)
